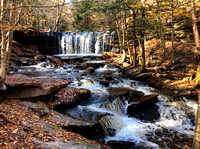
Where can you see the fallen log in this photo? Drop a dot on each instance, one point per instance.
(110, 54)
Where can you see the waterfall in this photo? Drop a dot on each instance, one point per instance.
(86, 42)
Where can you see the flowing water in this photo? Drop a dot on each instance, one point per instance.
(86, 42)
(174, 127)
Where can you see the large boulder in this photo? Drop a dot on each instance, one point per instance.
(55, 62)
(111, 124)
(86, 128)
(116, 144)
(21, 86)
(144, 108)
(128, 93)
(69, 97)
(41, 109)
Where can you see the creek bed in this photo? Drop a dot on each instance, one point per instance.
(173, 129)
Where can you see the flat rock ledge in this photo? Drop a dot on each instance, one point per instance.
(21, 86)
(69, 97)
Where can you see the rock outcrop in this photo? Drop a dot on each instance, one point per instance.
(21, 86)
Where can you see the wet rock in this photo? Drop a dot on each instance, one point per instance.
(54, 61)
(42, 110)
(90, 69)
(89, 114)
(116, 144)
(111, 132)
(111, 65)
(69, 97)
(21, 86)
(93, 64)
(109, 78)
(120, 91)
(146, 99)
(74, 144)
(144, 108)
(128, 93)
(86, 82)
(111, 124)
(87, 128)
(104, 82)
(93, 115)
(106, 73)
(133, 94)
(116, 105)
(39, 58)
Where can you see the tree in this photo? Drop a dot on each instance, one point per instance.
(3, 44)
(196, 140)
(195, 27)
(6, 44)
(59, 14)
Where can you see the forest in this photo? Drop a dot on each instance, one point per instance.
(146, 74)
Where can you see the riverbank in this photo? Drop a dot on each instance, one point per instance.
(28, 119)
(22, 127)
(176, 78)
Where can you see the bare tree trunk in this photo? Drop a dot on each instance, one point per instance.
(59, 14)
(19, 16)
(10, 37)
(142, 40)
(3, 46)
(195, 27)
(134, 38)
(196, 140)
(118, 33)
(172, 36)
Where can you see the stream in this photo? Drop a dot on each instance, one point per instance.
(173, 129)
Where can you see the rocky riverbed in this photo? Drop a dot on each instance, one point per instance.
(48, 104)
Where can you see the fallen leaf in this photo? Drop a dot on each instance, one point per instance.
(15, 131)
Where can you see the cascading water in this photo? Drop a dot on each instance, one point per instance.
(86, 42)
(175, 125)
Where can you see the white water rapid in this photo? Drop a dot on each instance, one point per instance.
(175, 125)
(86, 42)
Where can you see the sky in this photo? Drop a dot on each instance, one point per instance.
(67, 1)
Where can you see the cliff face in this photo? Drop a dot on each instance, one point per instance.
(45, 44)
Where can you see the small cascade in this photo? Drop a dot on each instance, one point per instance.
(175, 125)
(86, 42)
